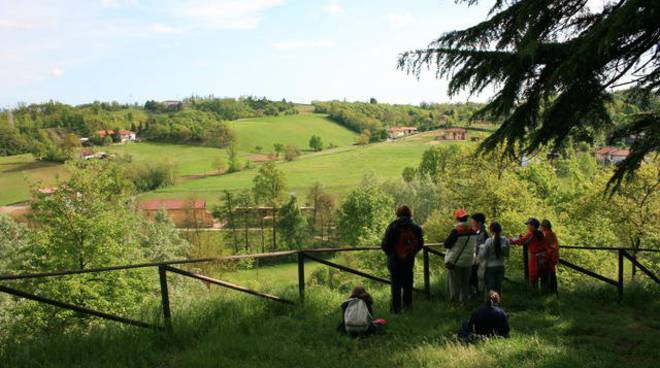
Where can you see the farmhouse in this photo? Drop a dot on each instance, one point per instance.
(453, 134)
(184, 213)
(398, 132)
(124, 135)
(611, 155)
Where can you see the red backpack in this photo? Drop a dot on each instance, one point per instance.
(408, 244)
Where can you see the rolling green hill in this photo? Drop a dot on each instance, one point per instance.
(289, 129)
(339, 170)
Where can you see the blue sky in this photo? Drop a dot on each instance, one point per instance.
(134, 50)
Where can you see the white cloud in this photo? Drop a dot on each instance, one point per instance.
(334, 9)
(229, 14)
(161, 28)
(289, 45)
(402, 20)
(56, 72)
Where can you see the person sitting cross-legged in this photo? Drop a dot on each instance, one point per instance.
(487, 321)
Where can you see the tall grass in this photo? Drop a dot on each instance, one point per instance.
(583, 327)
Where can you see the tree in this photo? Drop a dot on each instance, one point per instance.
(551, 67)
(435, 160)
(269, 187)
(292, 225)
(244, 202)
(227, 212)
(232, 153)
(373, 101)
(363, 139)
(408, 174)
(364, 215)
(278, 148)
(315, 143)
(258, 148)
(219, 164)
(291, 152)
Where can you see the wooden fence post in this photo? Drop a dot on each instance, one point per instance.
(619, 285)
(301, 275)
(526, 262)
(427, 275)
(165, 298)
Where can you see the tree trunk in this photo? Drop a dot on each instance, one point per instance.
(274, 235)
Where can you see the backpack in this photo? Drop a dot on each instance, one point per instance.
(408, 244)
(356, 316)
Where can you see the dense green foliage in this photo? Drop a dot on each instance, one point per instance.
(375, 118)
(552, 67)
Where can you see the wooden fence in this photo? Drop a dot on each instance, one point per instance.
(302, 255)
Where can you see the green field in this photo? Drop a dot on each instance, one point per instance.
(289, 129)
(339, 170)
(17, 172)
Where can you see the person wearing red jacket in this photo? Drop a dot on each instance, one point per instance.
(536, 248)
(552, 254)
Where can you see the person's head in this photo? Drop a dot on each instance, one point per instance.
(360, 292)
(546, 224)
(532, 224)
(403, 211)
(496, 230)
(461, 215)
(495, 227)
(493, 298)
(478, 220)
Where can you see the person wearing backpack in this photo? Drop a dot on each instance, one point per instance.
(461, 247)
(403, 239)
(357, 312)
(491, 256)
(536, 249)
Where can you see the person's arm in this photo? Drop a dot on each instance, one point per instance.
(504, 325)
(387, 240)
(483, 250)
(451, 239)
(523, 239)
(420, 236)
(505, 248)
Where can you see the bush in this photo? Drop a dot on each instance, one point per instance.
(151, 176)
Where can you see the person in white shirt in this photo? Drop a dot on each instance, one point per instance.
(492, 255)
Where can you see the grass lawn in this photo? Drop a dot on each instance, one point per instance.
(19, 171)
(289, 129)
(339, 170)
(190, 160)
(583, 327)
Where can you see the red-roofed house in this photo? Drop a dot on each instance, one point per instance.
(124, 135)
(453, 134)
(184, 213)
(608, 155)
(398, 132)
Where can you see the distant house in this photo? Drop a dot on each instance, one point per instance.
(184, 213)
(611, 155)
(454, 134)
(47, 190)
(171, 104)
(124, 135)
(398, 132)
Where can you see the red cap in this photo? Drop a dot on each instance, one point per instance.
(461, 212)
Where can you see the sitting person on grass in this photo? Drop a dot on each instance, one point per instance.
(487, 321)
(357, 313)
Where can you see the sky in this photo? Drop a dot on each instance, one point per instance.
(302, 50)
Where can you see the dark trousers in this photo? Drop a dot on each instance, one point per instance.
(401, 274)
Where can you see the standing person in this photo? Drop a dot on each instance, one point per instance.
(552, 254)
(403, 239)
(492, 255)
(486, 321)
(476, 277)
(461, 244)
(536, 248)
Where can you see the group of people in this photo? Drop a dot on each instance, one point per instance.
(475, 260)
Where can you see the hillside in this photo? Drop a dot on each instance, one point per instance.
(339, 170)
(290, 129)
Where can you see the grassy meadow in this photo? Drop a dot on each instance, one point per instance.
(339, 170)
(289, 129)
(17, 172)
(223, 328)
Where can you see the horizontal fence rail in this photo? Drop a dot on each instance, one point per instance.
(302, 255)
